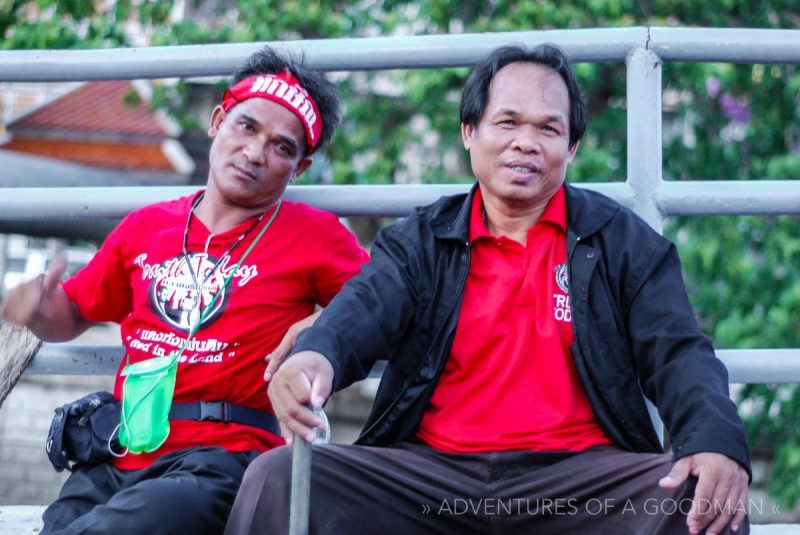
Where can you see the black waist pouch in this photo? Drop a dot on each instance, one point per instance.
(81, 431)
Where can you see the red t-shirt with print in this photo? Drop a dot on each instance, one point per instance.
(140, 279)
(510, 382)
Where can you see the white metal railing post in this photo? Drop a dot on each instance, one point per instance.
(644, 133)
(644, 150)
(3, 262)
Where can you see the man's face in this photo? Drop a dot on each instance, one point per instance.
(258, 149)
(520, 148)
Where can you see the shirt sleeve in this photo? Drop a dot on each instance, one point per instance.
(340, 258)
(101, 290)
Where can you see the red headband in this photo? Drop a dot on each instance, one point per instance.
(284, 89)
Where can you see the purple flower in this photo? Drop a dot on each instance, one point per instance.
(736, 110)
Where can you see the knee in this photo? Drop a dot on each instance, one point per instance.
(262, 501)
(273, 467)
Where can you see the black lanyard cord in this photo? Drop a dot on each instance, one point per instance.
(195, 204)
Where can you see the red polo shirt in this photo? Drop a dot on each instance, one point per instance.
(510, 382)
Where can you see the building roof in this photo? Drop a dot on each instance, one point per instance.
(111, 155)
(19, 170)
(96, 107)
(106, 124)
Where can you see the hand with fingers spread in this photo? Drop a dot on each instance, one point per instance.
(305, 380)
(279, 354)
(720, 496)
(31, 299)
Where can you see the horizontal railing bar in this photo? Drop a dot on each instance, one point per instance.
(726, 45)
(76, 359)
(356, 200)
(762, 366)
(732, 45)
(723, 197)
(729, 197)
(349, 54)
(755, 366)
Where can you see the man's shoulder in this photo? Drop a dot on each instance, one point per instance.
(306, 214)
(160, 212)
(441, 214)
(584, 203)
(446, 206)
(309, 224)
(616, 229)
(155, 217)
(590, 211)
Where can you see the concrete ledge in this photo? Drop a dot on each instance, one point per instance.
(775, 529)
(20, 519)
(27, 520)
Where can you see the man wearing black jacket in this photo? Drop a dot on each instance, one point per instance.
(521, 324)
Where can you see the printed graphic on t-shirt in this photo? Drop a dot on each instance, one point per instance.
(195, 351)
(561, 307)
(179, 301)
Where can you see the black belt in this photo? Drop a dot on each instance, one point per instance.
(224, 411)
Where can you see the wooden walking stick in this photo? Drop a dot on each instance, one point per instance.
(17, 347)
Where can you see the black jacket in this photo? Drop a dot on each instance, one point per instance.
(634, 328)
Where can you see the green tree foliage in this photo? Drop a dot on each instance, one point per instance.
(731, 122)
(27, 24)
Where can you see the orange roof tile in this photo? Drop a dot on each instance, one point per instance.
(114, 155)
(96, 107)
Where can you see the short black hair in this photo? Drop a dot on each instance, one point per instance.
(269, 61)
(476, 90)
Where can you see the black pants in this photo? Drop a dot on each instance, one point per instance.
(184, 492)
(413, 489)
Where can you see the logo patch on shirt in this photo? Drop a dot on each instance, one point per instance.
(562, 280)
(176, 298)
(561, 308)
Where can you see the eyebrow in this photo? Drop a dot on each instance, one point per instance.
(284, 139)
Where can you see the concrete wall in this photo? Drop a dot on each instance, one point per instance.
(27, 476)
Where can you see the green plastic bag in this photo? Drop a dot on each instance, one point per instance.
(146, 400)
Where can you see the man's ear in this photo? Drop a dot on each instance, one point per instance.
(217, 116)
(573, 151)
(301, 167)
(466, 135)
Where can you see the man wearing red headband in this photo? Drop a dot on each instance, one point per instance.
(219, 278)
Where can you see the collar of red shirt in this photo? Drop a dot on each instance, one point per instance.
(555, 212)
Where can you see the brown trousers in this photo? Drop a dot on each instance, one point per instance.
(413, 489)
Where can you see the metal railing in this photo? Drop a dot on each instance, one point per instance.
(643, 49)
